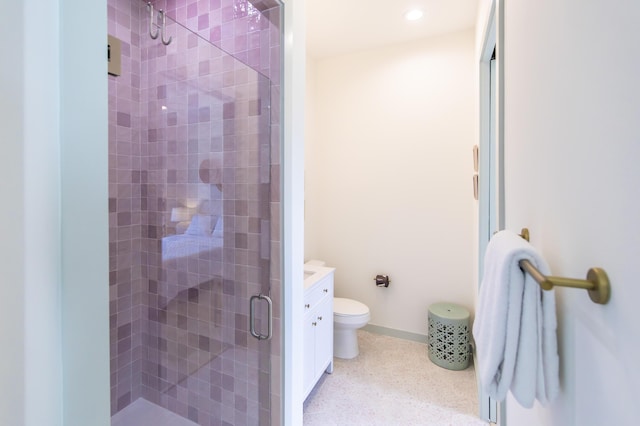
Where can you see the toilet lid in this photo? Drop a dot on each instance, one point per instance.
(342, 306)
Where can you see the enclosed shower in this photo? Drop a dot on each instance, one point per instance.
(194, 208)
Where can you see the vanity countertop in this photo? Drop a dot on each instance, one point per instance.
(314, 274)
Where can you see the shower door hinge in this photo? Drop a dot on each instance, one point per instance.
(113, 55)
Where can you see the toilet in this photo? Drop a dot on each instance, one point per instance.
(348, 316)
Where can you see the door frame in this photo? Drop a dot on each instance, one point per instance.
(491, 157)
(293, 212)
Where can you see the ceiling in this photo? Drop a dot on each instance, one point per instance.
(336, 27)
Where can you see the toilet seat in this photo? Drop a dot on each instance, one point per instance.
(348, 307)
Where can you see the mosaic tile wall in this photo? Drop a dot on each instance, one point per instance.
(194, 133)
(127, 286)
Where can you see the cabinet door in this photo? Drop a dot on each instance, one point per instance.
(309, 351)
(324, 335)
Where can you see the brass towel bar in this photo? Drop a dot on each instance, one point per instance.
(597, 282)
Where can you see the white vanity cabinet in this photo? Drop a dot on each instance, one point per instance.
(318, 329)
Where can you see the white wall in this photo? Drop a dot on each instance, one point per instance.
(12, 243)
(572, 141)
(312, 150)
(84, 212)
(31, 383)
(388, 176)
(53, 220)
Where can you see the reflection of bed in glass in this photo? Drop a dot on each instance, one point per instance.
(182, 247)
(196, 252)
(192, 263)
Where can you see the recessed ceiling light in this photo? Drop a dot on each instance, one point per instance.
(413, 15)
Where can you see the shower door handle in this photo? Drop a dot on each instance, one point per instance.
(252, 319)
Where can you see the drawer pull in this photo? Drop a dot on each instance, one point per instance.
(306, 306)
(314, 323)
(326, 290)
(320, 318)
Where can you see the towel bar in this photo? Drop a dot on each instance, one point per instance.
(597, 282)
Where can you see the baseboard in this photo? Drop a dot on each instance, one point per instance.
(401, 334)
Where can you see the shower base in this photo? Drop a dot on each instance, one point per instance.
(142, 412)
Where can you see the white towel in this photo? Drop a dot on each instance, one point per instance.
(515, 325)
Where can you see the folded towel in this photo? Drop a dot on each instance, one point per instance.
(515, 325)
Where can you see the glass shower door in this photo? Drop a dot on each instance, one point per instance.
(208, 153)
(201, 202)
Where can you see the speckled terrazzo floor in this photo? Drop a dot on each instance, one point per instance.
(392, 382)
